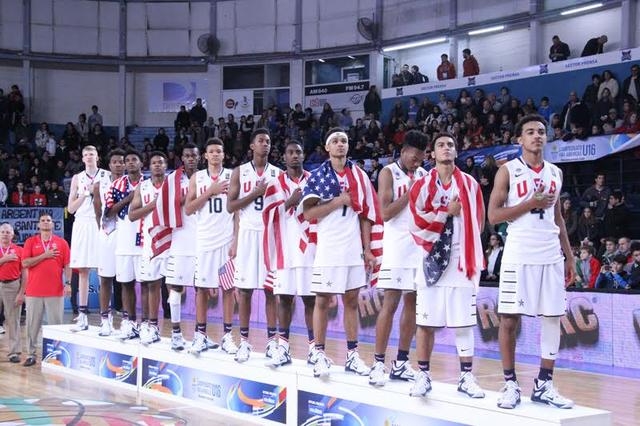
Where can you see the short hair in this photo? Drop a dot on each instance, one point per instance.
(617, 194)
(133, 152)
(415, 139)
(157, 154)
(332, 131)
(213, 141)
(544, 98)
(89, 148)
(528, 119)
(116, 152)
(444, 135)
(259, 131)
(43, 214)
(94, 106)
(589, 249)
(468, 51)
(635, 246)
(189, 145)
(555, 37)
(611, 240)
(293, 142)
(620, 258)
(444, 55)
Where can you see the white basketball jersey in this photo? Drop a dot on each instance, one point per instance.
(214, 222)
(148, 193)
(294, 257)
(339, 239)
(104, 187)
(85, 185)
(399, 249)
(251, 215)
(182, 238)
(129, 233)
(532, 238)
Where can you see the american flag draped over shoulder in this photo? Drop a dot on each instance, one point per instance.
(324, 183)
(168, 213)
(118, 191)
(274, 216)
(430, 218)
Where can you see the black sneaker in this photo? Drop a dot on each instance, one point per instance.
(31, 360)
(14, 358)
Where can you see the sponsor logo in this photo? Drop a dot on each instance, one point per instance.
(471, 81)
(625, 55)
(544, 69)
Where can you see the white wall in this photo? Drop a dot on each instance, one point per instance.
(470, 11)
(507, 50)
(331, 23)
(576, 31)
(403, 18)
(11, 24)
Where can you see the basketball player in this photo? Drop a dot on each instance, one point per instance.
(447, 218)
(128, 240)
(181, 261)
(246, 196)
(108, 232)
(152, 267)
(215, 242)
(532, 276)
(294, 272)
(400, 251)
(85, 238)
(343, 248)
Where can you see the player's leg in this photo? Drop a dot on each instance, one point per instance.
(174, 300)
(152, 334)
(430, 315)
(199, 343)
(390, 301)
(128, 327)
(320, 320)
(282, 356)
(509, 324)
(351, 327)
(106, 288)
(82, 321)
(271, 312)
(309, 304)
(244, 316)
(228, 302)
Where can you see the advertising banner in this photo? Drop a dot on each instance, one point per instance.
(591, 149)
(168, 94)
(339, 96)
(237, 102)
(25, 220)
(242, 396)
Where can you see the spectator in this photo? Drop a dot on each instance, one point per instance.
(344, 119)
(616, 216)
(624, 248)
(594, 46)
(56, 197)
(608, 82)
(95, 118)
(326, 117)
(42, 137)
(71, 136)
(22, 130)
(610, 249)
(161, 140)
(545, 109)
(182, 119)
(375, 172)
(99, 139)
(493, 256)
(37, 198)
(591, 96)
(634, 274)
(570, 218)
(19, 197)
(597, 196)
(602, 107)
(406, 77)
(631, 85)
(198, 113)
(633, 126)
(4, 194)
(446, 70)
(559, 51)
(470, 65)
(418, 77)
(83, 128)
(613, 276)
(587, 268)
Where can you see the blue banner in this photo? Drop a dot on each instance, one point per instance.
(97, 362)
(25, 220)
(258, 399)
(590, 149)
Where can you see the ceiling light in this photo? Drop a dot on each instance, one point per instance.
(414, 44)
(321, 60)
(581, 9)
(351, 57)
(486, 30)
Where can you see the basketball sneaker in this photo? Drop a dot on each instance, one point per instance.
(280, 357)
(421, 385)
(211, 344)
(545, 393)
(199, 343)
(378, 374)
(106, 326)
(177, 341)
(355, 364)
(312, 358)
(510, 395)
(82, 323)
(469, 385)
(272, 347)
(149, 335)
(128, 330)
(228, 345)
(322, 367)
(401, 370)
(243, 352)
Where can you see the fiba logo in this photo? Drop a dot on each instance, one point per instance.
(356, 99)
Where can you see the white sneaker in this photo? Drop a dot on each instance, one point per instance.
(228, 345)
(469, 384)
(421, 385)
(2, 331)
(510, 395)
(272, 348)
(106, 327)
(312, 358)
(378, 374)
(211, 344)
(545, 393)
(401, 370)
(243, 352)
(322, 367)
(177, 341)
(199, 343)
(280, 357)
(128, 330)
(82, 323)
(151, 335)
(355, 364)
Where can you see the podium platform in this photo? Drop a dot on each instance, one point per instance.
(291, 395)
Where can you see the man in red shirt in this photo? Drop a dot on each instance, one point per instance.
(11, 289)
(446, 70)
(46, 257)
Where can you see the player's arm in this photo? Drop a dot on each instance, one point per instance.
(234, 203)
(193, 202)
(389, 207)
(117, 207)
(233, 248)
(570, 263)
(314, 209)
(97, 203)
(75, 199)
(136, 210)
(365, 237)
(481, 213)
(498, 213)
